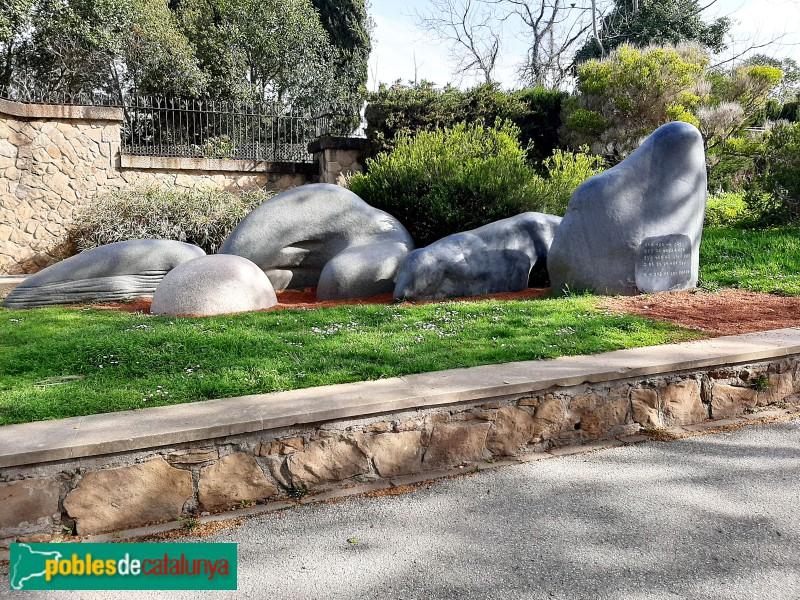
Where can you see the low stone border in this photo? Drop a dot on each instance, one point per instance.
(121, 470)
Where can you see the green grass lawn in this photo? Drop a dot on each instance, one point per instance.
(61, 362)
(128, 361)
(761, 261)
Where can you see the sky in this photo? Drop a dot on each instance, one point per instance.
(401, 50)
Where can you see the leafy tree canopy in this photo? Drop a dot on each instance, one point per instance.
(283, 50)
(626, 96)
(654, 22)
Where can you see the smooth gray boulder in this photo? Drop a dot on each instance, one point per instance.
(294, 235)
(218, 284)
(499, 257)
(361, 271)
(110, 273)
(637, 226)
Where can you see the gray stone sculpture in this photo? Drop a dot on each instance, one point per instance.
(637, 226)
(118, 271)
(213, 285)
(297, 233)
(361, 271)
(499, 257)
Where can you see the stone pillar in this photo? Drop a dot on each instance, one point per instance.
(336, 157)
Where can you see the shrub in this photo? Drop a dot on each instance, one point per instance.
(201, 217)
(727, 209)
(398, 110)
(774, 199)
(448, 180)
(565, 172)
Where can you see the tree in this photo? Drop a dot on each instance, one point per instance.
(645, 22)
(472, 29)
(279, 50)
(15, 19)
(85, 46)
(626, 96)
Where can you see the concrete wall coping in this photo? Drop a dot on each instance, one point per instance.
(60, 111)
(210, 165)
(94, 435)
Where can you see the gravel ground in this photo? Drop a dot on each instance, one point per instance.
(711, 517)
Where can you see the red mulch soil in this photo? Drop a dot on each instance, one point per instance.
(727, 312)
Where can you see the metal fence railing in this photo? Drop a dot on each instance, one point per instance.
(217, 129)
(202, 128)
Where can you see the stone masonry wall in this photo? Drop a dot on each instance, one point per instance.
(55, 160)
(107, 493)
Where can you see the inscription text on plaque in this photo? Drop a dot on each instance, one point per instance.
(664, 263)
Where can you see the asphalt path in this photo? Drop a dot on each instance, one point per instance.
(711, 517)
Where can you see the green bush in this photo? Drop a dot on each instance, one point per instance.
(727, 209)
(399, 109)
(774, 198)
(448, 180)
(565, 172)
(202, 217)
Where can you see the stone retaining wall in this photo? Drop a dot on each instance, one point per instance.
(55, 159)
(127, 489)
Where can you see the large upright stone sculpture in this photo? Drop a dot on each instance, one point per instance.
(636, 227)
(499, 257)
(295, 235)
(118, 271)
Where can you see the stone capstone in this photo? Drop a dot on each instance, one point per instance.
(455, 444)
(396, 454)
(294, 236)
(636, 227)
(327, 460)
(128, 496)
(213, 285)
(29, 506)
(233, 479)
(499, 257)
(118, 271)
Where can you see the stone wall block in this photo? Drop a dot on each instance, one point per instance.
(455, 444)
(192, 457)
(645, 409)
(779, 387)
(396, 454)
(604, 413)
(551, 409)
(730, 401)
(29, 506)
(328, 460)
(123, 497)
(233, 479)
(283, 447)
(681, 404)
(513, 428)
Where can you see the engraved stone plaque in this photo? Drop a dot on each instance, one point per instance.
(664, 263)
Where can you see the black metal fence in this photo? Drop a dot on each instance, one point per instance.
(217, 129)
(202, 128)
